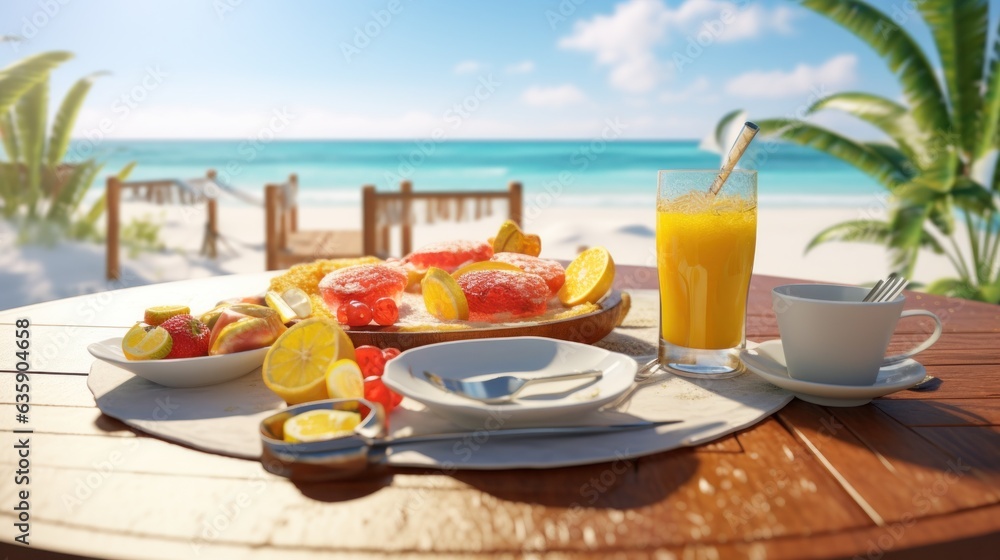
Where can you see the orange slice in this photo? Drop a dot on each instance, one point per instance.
(157, 315)
(443, 297)
(510, 239)
(295, 367)
(140, 344)
(588, 277)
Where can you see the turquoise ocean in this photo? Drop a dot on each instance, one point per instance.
(620, 173)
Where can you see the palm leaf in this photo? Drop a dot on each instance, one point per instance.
(78, 182)
(888, 116)
(960, 30)
(884, 170)
(21, 76)
(62, 126)
(89, 221)
(907, 235)
(955, 287)
(903, 55)
(991, 104)
(31, 112)
(9, 135)
(867, 231)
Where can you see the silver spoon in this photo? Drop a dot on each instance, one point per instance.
(503, 388)
(367, 446)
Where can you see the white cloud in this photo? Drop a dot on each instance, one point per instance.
(523, 67)
(626, 39)
(700, 86)
(836, 73)
(555, 96)
(467, 67)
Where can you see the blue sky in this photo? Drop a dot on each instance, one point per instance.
(416, 68)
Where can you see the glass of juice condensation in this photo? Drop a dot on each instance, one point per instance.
(704, 258)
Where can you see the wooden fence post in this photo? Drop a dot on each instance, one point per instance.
(293, 204)
(368, 219)
(406, 188)
(271, 194)
(212, 220)
(112, 199)
(516, 201)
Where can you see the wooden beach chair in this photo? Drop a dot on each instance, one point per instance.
(160, 191)
(381, 212)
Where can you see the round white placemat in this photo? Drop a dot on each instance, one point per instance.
(224, 418)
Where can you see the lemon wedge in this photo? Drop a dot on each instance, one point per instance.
(588, 277)
(296, 365)
(277, 303)
(443, 297)
(484, 265)
(344, 380)
(299, 301)
(140, 344)
(158, 314)
(319, 425)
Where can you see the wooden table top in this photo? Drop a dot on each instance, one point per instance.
(911, 474)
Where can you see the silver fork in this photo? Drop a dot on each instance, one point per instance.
(886, 290)
(503, 388)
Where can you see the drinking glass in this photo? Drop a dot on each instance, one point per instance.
(704, 258)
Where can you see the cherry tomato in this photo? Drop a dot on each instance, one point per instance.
(390, 353)
(358, 314)
(342, 313)
(371, 360)
(385, 311)
(376, 391)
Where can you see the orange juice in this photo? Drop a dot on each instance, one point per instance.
(705, 249)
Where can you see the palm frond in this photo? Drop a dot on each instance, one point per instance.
(991, 104)
(9, 134)
(878, 232)
(62, 125)
(31, 116)
(72, 190)
(960, 31)
(888, 116)
(21, 76)
(900, 51)
(884, 170)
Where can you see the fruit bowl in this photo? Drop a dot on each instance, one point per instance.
(182, 372)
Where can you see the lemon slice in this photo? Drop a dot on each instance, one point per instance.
(484, 265)
(588, 277)
(157, 315)
(140, 344)
(275, 302)
(319, 425)
(443, 297)
(295, 367)
(299, 301)
(344, 380)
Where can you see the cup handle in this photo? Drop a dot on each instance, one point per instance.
(938, 327)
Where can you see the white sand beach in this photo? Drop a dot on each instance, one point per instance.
(32, 274)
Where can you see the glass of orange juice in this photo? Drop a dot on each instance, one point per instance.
(704, 258)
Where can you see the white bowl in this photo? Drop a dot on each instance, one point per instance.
(544, 404)
(181, 372)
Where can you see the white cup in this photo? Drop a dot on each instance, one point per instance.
(830, 336)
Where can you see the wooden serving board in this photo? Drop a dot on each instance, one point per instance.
(586, 329)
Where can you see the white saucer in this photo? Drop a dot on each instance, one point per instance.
(181, 372)
(549, 403)
(767, 360)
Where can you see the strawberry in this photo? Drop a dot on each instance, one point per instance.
(190, 336)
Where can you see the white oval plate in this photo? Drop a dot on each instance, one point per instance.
(543, 404)
(181, 372)
(767, 360)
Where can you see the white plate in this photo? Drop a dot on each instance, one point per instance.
(767, 360)
(544, 404)
(181, 372)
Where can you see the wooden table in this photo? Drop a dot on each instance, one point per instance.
(912, 474)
